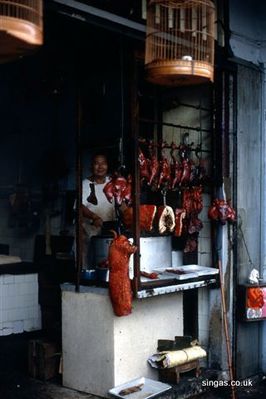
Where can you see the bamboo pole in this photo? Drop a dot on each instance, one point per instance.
(226, 332)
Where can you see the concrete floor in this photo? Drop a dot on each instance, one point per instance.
(19, 386)
(15, 382)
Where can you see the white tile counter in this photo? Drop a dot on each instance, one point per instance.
(19, 308)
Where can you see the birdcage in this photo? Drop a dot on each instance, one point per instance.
(180, 42)
(21, 27)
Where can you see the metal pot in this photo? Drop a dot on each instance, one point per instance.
(100, 248)
(88, 275)
(155, 252)
(102, 274)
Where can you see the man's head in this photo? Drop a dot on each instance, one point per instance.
(99, 167)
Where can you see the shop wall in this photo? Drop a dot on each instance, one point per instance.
(247, 29)
(263, 258)
(37, 140)
(194, 110)
(247, 41)
(39, 98)
(249, 178)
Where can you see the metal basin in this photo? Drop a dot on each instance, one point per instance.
(155, 252)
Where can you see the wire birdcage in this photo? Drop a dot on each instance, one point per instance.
(21, 27)
(180, 42)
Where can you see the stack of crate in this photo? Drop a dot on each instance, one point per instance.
(43, 359)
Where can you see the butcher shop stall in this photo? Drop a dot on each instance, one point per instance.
(153, 271)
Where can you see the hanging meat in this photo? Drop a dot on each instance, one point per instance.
(177, 169)
(118, 189)
(166, 219)
(186, 167)
(221, 211)
(192, 200)
(119, 283)
(180, 214)
(154, 169)
(193, 205)
(144, 166)
(146, 213)
(193, 178)
(109, 191)
(195, 225)
(191, 245)
(127, 195)
(165, 172)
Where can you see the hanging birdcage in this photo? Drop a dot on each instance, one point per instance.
(21, 27)
(180, 42)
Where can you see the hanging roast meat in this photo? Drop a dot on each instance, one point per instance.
(127, 195)
(177, 169)
(143, 166)
(180, 214)
(177, 174)
(154, 169)
(119, 282)
(118, 189)
(146, 215)
(191, 245)
(192, 200)
(195, 225)
(109, 191)
(186, 166)
(194, 177)
(166, 219)
(221, 211)
(165, 172)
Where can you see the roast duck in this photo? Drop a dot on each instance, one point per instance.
(118, 189)
(159, 171)
(221, 211)
(164, 173)
(120, 292)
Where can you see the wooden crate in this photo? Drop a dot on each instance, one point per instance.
(172, 375)
(43, 359)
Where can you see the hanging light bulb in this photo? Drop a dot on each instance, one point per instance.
(21, 27)
(180, 42)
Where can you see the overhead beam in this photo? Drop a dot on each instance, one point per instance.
(99, 17)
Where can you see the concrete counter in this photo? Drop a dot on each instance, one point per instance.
(101, 350)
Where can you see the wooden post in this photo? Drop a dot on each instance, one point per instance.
(78, 221)
(136, 179)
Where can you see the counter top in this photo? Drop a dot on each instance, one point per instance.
(18, 268)
(146, 292)
(83, 289)
(149, 292)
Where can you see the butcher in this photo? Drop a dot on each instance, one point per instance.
(96, 209)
